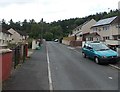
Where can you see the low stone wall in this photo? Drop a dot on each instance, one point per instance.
(75, 43)
(66, 42)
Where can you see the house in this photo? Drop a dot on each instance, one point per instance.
(83, 29)
(18, 36)
(5, 37)
(108, 29)
(91, 36)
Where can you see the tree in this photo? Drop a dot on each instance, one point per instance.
(57, 32)
(48, 36)
(5, 25)
(56, 29)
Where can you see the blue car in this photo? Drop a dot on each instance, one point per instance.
(100, 53)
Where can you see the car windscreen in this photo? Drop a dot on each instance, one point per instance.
(99, 46)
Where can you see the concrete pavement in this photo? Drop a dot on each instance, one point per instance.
(32, 75)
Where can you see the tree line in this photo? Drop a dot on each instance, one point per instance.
(55, 29)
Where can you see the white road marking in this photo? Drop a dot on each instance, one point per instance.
(114, 66)
(49, 71)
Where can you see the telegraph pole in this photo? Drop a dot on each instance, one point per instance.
(42, 29)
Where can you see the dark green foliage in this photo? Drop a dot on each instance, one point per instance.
(54, 30)
(48, 36)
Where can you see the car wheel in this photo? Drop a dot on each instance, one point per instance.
(97, 60)
(84, 55)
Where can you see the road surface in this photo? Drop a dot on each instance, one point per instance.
(61, 67)
(70, 71)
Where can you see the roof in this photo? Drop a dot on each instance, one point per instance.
(21, 33)
(105, 21)
(93, 33)
(80, 26)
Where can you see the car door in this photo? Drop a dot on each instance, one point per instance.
(90, 52)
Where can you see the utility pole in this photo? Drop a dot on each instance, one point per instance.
(42, 29)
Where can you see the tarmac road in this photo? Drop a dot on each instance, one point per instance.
(68, 70)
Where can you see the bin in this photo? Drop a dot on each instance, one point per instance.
(6, 61)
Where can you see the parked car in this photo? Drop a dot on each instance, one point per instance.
(100, 53)
(56, 40)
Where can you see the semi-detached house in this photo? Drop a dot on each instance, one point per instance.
(18, 36)
(81, 31)
(5, 37)
(107, 28)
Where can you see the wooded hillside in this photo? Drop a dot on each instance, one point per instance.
(56, 29)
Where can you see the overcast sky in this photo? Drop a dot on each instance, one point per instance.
(53, 10)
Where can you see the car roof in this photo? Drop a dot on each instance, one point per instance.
(93, 42)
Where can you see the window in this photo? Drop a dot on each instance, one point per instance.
(90, 39)
(99, 29)
(94, 29)
(106, 27)
(106, 38)
(97, 39)
(103, 28)
(119, 37)
(115, 37)
(0, 41)
(3, 41)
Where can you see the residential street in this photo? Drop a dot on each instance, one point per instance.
(68, 71)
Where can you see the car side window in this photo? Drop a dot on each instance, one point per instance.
(87, 47)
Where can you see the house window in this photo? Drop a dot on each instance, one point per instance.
(106, 27)
(97, 39)
(119, 37)
(99, 29)
(106, 38)
(90, 39)
(3, 42)
(94, 29)
(0, 40)
(103, 28)
(115, 37)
